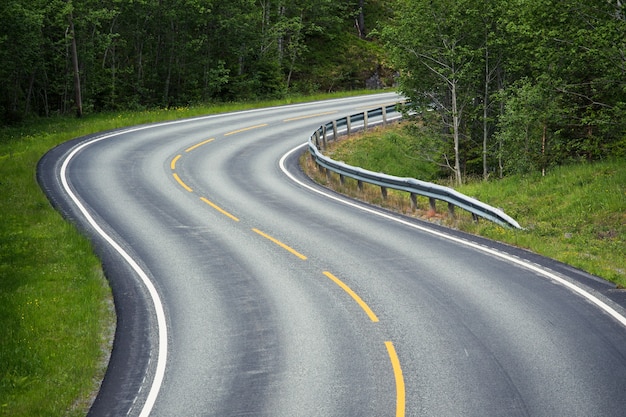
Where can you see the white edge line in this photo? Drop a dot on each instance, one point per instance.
(520, 262)
(156, 300)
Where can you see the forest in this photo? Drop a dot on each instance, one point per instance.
(513, 86)
(135, 54)
(496, 87)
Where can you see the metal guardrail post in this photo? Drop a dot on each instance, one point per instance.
(413, 201)
(451, 209)
(433, 204)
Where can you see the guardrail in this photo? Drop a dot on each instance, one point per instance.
(361, 121)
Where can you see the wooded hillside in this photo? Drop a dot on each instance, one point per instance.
(512, 85)
(501, 86)
(134, 54)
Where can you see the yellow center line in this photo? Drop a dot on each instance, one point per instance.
(244, 129)
(185, 186)
(197, 145)
(218, 208)
(173, 163)
(309, 116)
(279, 243)
(354, 295)
(397, 371)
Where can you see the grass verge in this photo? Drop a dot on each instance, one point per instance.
(56, 311)
(56, 314)
(575, 214)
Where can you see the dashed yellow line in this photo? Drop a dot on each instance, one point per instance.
(397, 371)
(354, 295)
(173, 163)
(185, 186)
(245, 129)
(218, 208)
(197, 145)
(281, 244)
(395, 362)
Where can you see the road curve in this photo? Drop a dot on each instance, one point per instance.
(241, 290)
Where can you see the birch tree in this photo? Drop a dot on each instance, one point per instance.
(434, 44)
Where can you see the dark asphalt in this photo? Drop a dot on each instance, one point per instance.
(252, 329)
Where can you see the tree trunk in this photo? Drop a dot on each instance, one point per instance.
(485, 114)
(77, 94)
(500, 87)
(361, 20)
(455, 126)
(31, 86)
(619, 15)
(281, 38)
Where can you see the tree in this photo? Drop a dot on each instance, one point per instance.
(360, 20)
(20, 53)
(523, 71)
(575, 50)
(434, 45)
(75, 68)
(528, 141)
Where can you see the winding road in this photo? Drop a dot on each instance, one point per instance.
(243, 289)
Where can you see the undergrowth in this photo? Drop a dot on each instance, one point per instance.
(575, 214)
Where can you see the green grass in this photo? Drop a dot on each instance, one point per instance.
(575, 214)
(56, 314)
(383, 150)
(55, 311)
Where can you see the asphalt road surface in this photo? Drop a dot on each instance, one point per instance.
(242, 289)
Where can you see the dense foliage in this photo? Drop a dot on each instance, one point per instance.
(510, 86)
(134, 54)
(515, 85)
